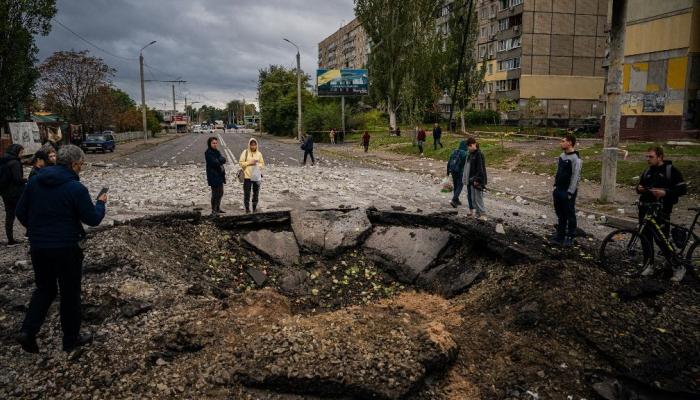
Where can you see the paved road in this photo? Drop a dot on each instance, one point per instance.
(189, 149)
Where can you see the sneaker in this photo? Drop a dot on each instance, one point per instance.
(453, 204)
(221, 211)
(678, 273)
(649, 270)
(568, 241)
(27, 342)
(459, 203)
(73, 343)
(556, 240)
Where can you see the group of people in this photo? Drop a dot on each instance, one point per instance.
(421, 137)
(52, 205)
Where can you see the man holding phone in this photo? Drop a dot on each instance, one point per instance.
(53, 208)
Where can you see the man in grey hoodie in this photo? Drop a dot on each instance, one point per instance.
(565, 191)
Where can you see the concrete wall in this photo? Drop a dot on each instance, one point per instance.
(659, 35)
(561, 87)
(638, 10)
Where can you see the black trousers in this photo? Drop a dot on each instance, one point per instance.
(217, 192)
(663, 218)
(436, 142)
(309, 153)
(10, 205)
(56, 269)
(565, 208)
(247, 186)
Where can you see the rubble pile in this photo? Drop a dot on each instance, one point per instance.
(386, 305)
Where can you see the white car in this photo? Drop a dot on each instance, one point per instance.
(197, 129)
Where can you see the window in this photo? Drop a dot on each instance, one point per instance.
(515, 42)
(483, 32)
(492, 14)
(490, 87)
(503, 24)
(514, 3)
(500, 86)
(482, 51)
(490, 69)
(507, 44)
(504, 4)
(506, 85)
(492, 50)
(509, 64)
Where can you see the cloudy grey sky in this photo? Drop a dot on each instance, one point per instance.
(218, 46)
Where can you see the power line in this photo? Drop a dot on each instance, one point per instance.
(94, 45)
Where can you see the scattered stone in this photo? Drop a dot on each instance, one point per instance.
(406, 252)
(281, 247)
(293, 282)
(398, 208)
(133, 309)
(195, 290)
(500, 229)
(258, 276)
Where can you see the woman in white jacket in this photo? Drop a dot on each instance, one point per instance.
(252, 164)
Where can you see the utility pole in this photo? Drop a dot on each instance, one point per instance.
(613, 103)
(143, 93)
(174, 109)
(244, 112)
(342, 113)
(299, 114)
(173, 82)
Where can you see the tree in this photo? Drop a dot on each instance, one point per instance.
(69, 79)
(394, 26)
(277, 86)
(505, 106)
(20, 22)
(534, 109)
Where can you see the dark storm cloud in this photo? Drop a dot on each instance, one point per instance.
(218, 46)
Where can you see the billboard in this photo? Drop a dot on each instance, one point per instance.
(27, 135)
(342, 82)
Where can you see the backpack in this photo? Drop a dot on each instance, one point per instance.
(455, 160)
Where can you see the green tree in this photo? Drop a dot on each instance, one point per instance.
(69, 79)
(394, 27)
(534, 109)
(278, 99)
(20, 22)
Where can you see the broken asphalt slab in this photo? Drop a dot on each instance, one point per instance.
(281, 247)
(329, 232)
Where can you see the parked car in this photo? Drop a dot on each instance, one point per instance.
(197, 129)
(99, 142)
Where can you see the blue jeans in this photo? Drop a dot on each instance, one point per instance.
(565, 208)
(458, 185)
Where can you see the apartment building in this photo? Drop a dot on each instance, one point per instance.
(553, 50)
(348, 47)
(661, 70)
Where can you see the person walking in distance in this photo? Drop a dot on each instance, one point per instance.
(53, 208)
(475, 178)
(11, 186)
(660, 182)
(455, 167)
(437, 136)
(565, 192)
(308, 147)
(420, 140)
(331, 134)
(365, 141)
(216, 174)
(252, 164)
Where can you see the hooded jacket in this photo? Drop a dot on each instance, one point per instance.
(659, 177)
(216, 173)
(460, 157)
(54, 206)
(477, 169)
(247, 156)
(11, 165)
(568, 172)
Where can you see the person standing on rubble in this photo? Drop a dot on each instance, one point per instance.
(53, 208)
(252, 164)
(12, 184)
(216, 174)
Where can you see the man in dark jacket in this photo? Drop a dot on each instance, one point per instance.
(437, 136)
(565, 191)
(53, 208)
(308, 148)
(11, 186)
(660, 182)
(455, 167)
(475, 177)
(216, 174)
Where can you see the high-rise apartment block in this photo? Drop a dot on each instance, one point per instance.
(348, 47)
(552, 50)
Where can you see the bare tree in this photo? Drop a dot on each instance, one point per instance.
(69, 79)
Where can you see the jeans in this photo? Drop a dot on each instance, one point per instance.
(477, 199)
(565, 208)
(217, 192)
(458, 185)
(247, 185)
(420, 146)
(10, 206)
(309, 153)
(436, 142)
(366, 146)
(51, 266)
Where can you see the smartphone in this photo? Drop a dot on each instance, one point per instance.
(103, 191)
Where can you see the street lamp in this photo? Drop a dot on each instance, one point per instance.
(143, 93)
(298, 89)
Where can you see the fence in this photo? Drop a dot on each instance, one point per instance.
(128, 136)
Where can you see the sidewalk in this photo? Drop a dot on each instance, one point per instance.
(520, 187)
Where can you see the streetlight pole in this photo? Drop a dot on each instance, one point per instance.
(299, 115)
(143, 93)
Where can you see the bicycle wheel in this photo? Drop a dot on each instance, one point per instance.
(623, 252)
(692, 260)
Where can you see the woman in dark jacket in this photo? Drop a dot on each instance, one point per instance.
(11, 186)
(216, 174)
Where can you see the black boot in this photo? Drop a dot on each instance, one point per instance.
(70, 344)
(27, 342)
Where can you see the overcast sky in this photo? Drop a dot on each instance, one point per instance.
(217, 46)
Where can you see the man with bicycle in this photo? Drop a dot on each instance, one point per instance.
(660, 182)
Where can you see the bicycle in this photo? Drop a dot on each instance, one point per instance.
(628, 252)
